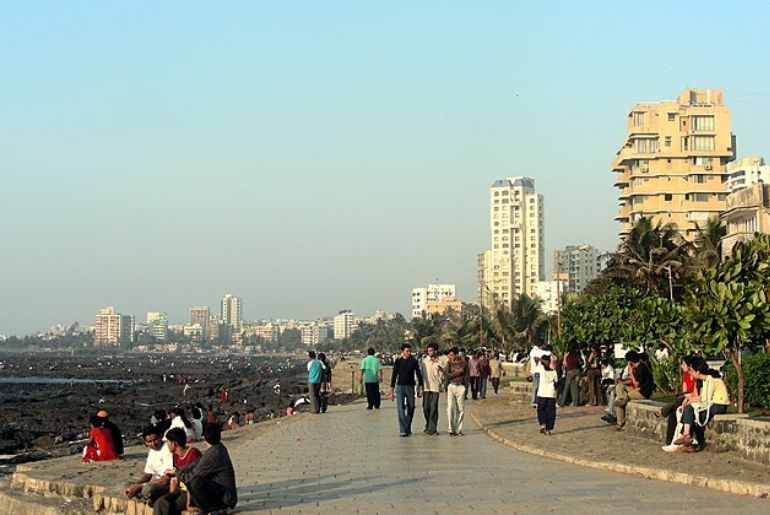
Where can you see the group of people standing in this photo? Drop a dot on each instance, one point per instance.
(319, 379)
(434, 373)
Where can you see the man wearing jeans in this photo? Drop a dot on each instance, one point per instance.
(405, 369)
(314, 375)
(458, 378)
(432, 369)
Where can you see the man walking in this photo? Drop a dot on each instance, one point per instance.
(371, 376)
(314, 378)
(432, 370)
(402, 382)
(458, 376)
(534, 358)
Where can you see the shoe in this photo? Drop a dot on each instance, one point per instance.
(368, 407)
(450, 433)
(619, 427)
(670, 448)
(425, 431)
(548, 433)
(460, 433)
(684, 440)
(542, 430)
(404, 435)
(688, 448)
(431, 433)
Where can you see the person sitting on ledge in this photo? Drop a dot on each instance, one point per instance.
(639, 385)
(153, 484)
(712, 399)
(99, 446)
(210, 482)
(117, 436)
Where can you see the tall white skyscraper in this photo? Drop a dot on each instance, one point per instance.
(157, 325)
(515, 262)
(232, 316)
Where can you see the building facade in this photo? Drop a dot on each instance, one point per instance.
(747, 213)
(549, 292)
(746, 172)
(516, 260)
(672, 164)
(580, 263)
(232, 318)
(344, 324)
(201, 315)
(432, 298)
(157, 325)
(107, 328)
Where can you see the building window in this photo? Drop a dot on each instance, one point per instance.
(700, 179)
(668, 197)
(671, 117)
(667, 142)
(703, 123)
(701, 161)
(703, 143)
(646, 146)
(701, 197)
(638, 119)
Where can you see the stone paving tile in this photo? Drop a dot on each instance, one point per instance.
(351, 460)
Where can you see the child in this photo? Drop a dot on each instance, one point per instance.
(546, 395)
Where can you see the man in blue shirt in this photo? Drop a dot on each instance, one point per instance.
(314, 376)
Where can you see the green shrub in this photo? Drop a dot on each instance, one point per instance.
(667, 374)
(756, 371)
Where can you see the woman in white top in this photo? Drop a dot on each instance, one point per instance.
(546, 395)
(182, 422)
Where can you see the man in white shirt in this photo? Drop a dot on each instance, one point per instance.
(432, 369)
(153, 483)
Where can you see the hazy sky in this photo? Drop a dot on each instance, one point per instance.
(315, 156)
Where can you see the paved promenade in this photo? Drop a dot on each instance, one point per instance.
(351, 460)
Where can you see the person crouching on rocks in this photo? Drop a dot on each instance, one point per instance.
(99, 446)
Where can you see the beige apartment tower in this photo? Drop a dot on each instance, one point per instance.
(516, 260)
(672, 164)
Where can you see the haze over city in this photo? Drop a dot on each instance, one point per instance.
(317, 157)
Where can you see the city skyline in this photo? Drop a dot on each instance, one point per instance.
(316, 157)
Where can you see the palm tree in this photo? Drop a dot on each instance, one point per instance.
(708, 243)
(653, 255)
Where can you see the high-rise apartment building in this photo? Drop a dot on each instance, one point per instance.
(232, 316)
(107, 328)
(549, 292)
(200, 315)
(436, 298)
(344, 324)
(672, 164)
(127, 329)
(516, 260)
(580, 263)
(157, 325)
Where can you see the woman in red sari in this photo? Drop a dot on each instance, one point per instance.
(99, 446)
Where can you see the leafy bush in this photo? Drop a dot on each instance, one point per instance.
(756, 370)
(667, 374)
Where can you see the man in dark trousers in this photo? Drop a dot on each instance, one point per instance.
(210, 481)
(402, 383)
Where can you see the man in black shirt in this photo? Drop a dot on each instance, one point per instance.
(405, 369)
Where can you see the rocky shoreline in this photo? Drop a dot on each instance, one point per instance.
(49, 416)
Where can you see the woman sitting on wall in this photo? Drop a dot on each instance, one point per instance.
(698, 410)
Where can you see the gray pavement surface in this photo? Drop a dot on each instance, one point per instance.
(352, 460)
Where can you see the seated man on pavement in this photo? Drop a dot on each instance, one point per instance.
(210, 482)
(184, 455)
(698, 410)
(639, 385)
(153, 483)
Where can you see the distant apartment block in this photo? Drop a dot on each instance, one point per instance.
(112, 329)
(314, 333)
(672, 164)
(436, 298)
(516, 259)
(747, 172)
(201, 316)
(345, 323)
(549, 292)
(157, 326)
(232, 318)
(580, 263)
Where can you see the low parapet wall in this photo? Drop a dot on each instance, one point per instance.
(749, 437)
